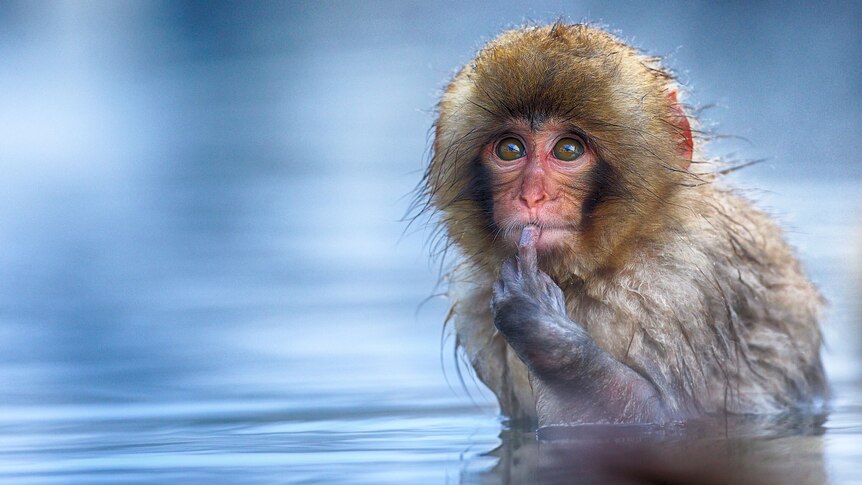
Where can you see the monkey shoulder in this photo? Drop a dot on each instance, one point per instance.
(752, 258)
(763, 309)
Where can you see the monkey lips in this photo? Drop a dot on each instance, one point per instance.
(542, 239)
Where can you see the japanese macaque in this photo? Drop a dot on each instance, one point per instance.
(605, 276)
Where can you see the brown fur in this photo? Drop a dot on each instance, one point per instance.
(672, 274)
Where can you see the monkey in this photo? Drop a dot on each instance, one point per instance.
(606, 273)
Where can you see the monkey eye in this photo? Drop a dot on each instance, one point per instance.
(568, 149)
(510, 149)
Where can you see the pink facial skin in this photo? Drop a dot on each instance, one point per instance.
(537, 188)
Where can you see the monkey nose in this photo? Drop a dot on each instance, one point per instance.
(533, 200)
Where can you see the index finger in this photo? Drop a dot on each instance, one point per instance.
(527, 258)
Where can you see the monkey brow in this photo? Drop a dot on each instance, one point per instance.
(539, 122)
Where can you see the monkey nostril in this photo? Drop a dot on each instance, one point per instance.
(533, 200)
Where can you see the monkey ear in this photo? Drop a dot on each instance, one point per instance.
(680, 122)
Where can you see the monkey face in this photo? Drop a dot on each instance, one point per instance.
(566, 128)
(537, 177)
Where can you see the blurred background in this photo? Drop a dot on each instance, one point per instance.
(204, 274)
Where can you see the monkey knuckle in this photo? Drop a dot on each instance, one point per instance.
(511, 282)
(498, 290)
(532, 285)
(552, 308)
(509, 269)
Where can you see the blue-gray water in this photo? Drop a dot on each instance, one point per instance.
(203, 277)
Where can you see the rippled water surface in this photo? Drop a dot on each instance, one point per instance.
(204, 278)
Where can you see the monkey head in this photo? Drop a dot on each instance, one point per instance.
(566, 128)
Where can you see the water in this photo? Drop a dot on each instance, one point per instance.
(204, 277)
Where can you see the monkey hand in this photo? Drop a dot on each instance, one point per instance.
(530, 311)
(575, 381)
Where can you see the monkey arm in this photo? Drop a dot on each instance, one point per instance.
(574, 380)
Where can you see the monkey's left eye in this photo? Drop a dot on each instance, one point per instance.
(568, 149)
(510, 149)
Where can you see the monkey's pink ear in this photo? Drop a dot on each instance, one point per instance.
(680, 121)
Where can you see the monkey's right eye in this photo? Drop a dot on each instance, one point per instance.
(510, 149)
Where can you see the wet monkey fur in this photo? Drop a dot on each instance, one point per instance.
(605, 277)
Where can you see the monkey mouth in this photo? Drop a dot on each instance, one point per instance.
(547, 236)
(552, 236)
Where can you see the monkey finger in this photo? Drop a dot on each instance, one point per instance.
(527, 258)
(510, 271)
(499, 287)
(546, 280)
(555, 292)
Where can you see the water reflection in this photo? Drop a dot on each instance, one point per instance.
(733, 450)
